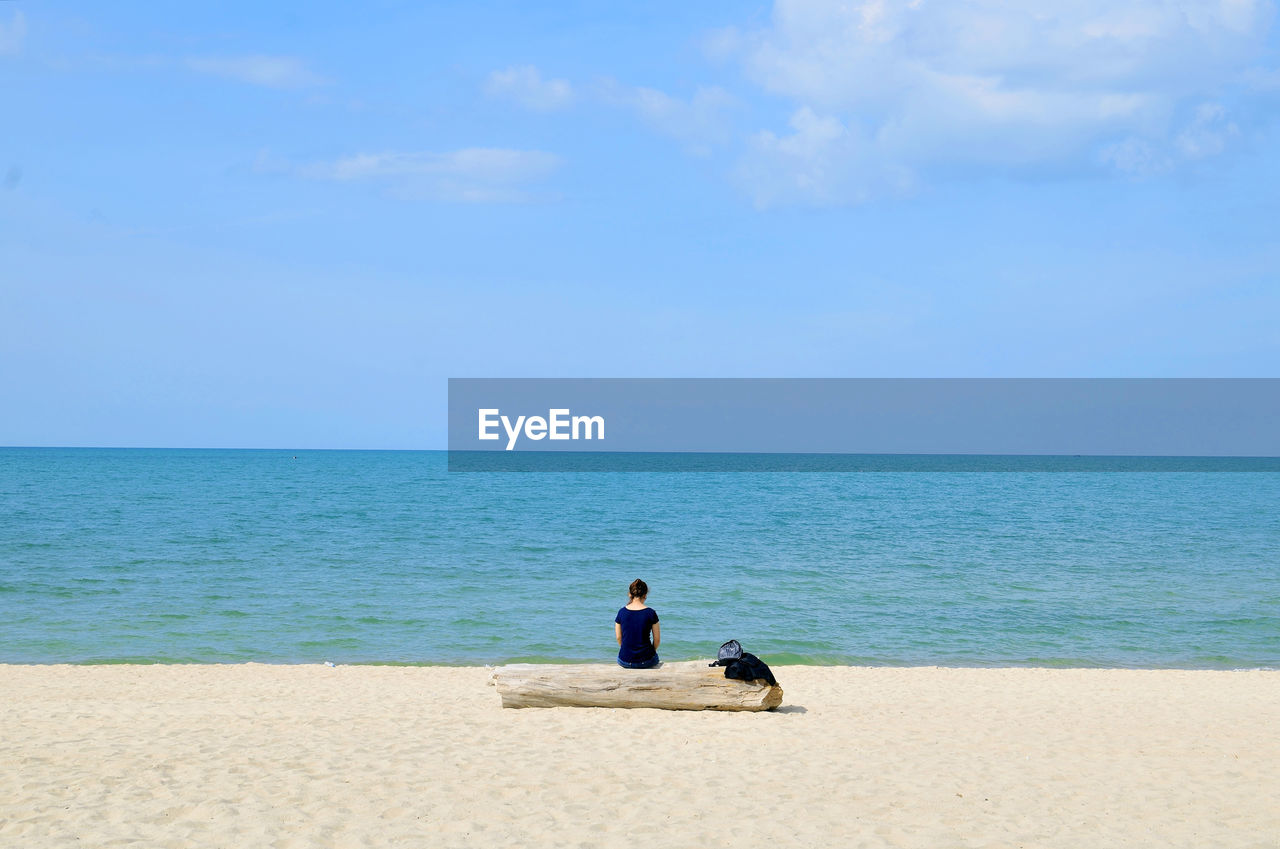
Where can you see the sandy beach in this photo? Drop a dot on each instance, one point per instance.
(292, 756)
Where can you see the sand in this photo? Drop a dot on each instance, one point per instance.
(291, 756)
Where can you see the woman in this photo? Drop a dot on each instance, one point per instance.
(636, 628)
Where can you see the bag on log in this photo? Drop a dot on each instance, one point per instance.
(741, 665)
(750, 668)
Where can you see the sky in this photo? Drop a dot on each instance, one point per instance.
(287, 224)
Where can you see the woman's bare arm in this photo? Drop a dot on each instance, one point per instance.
(617, 632)
(657, 635)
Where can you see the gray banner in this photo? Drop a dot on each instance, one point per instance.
(1174, 418)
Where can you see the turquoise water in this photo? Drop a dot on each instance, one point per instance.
(190, 555)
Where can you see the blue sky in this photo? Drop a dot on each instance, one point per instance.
(230, 225)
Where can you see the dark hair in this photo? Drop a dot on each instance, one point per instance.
(638, 589)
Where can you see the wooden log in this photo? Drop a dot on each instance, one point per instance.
(690, 685)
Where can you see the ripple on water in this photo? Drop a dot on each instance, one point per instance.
(208, 555)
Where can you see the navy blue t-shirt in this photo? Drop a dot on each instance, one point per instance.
(637, 634)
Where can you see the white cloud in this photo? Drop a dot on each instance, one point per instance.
(821, 161)
(525, 85)
(13, 33)
(269, 71)
(1135, 157)
(1208, 133)
(922, 87)
(471, 175)
(847, 53)
(699, 122)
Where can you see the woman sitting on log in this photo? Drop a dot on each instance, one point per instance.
(637, 631)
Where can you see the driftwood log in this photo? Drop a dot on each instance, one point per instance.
(672, 686)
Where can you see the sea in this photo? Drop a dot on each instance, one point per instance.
(388, 557)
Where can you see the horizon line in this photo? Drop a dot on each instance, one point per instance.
(557, 452)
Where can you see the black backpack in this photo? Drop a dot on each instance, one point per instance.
(729, 652)
(750, 668)
(744, 666)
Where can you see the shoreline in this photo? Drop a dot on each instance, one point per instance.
(608, 662)
(352, 755)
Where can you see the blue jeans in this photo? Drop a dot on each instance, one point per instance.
(644, 664)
